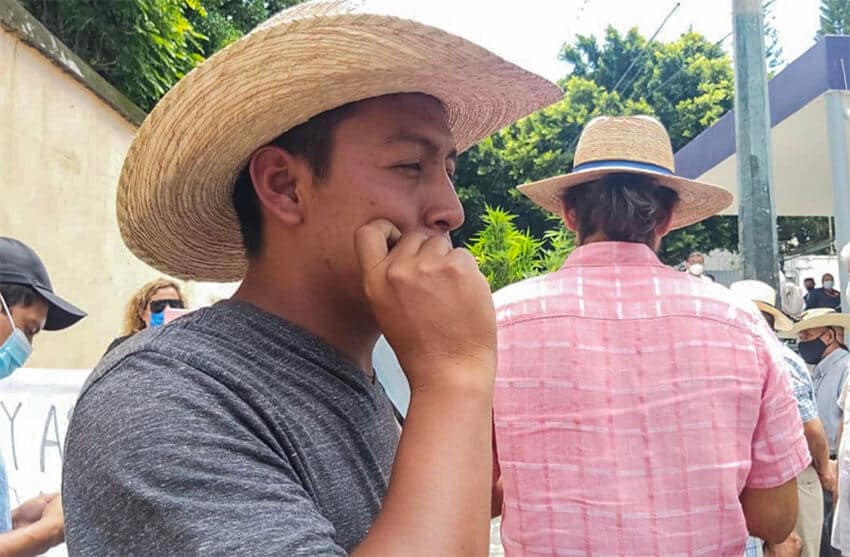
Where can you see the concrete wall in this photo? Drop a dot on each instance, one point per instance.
(61, 151)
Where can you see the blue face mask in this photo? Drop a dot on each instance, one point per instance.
(15, 350)
(158, 319)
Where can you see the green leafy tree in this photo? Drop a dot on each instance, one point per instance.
(688, 84)
(227, 20)
(560, 243)
(142, 47)
(809, 235)
(507, 254)
(834, 17)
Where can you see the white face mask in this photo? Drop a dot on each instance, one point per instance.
(696, 269)
(828, 284)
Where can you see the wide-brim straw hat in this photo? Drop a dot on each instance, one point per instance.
(764, 296)
(634, 145)
(174, 202)
(821, 317)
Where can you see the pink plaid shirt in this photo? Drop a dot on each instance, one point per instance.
(633, 405)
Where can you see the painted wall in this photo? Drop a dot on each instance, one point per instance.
(61, 151)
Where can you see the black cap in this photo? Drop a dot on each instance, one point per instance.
(19, 264)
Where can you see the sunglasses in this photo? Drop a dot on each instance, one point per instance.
(158, 306)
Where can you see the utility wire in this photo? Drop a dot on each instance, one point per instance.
(646, 46)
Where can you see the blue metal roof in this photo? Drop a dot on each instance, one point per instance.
(824, 67)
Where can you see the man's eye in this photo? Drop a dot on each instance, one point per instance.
(410, 167)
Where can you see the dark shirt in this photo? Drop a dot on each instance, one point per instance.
(115, 343)
(230, 431)
(823, 298)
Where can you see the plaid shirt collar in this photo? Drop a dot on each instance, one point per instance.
(611, 254)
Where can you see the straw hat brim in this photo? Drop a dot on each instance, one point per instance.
(834, 319)
(697, 200)
(174, 198)
(781, 322)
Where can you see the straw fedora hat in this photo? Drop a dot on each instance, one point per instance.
(821, 317)
(635, 145)
(174, 196)
(764, 297)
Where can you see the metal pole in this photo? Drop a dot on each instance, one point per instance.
(836, 122)
(756, 212)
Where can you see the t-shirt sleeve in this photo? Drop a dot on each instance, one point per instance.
(173, 463)
(779, 449)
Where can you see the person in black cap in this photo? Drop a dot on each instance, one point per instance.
(28, 305)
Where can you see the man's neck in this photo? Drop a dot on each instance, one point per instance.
(309, 305)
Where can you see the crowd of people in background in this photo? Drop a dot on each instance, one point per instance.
(825, 296)
(613, 407)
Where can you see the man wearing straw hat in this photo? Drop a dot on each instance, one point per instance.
(820, 335)
(638, 411)
(839, 323)
(312, 159)
(821, 472)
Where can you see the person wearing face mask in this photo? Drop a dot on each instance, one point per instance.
(809, 285)
(696, 266)
(826, 296)
(147, 308)
(28, 305)
(821, 344)
(820, 475)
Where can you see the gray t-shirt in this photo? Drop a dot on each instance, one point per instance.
(229, 431)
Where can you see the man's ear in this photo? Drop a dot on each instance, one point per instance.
(569, 216)
(279, 179)
(664, 228)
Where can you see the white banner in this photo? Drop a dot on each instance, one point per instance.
(35, 408)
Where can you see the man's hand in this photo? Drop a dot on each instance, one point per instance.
(31, 510)
(35, 538)
(791, 547)
(829, 478)
(431, 302)
(435, 309)
(54, 520)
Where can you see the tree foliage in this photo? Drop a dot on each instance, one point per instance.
(507, 254)
(688, 84)
(834, 17)
(227, 20)
(143, 47)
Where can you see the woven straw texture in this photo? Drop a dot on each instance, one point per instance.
(817, 319)
(764, 297)
(174, 196)
(639, 139)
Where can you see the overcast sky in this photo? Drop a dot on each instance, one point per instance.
(531, 32)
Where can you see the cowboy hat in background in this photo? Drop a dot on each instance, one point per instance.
(175, 208)
(764, 296)
(634, 145)
(821, 317)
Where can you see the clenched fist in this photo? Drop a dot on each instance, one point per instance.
(432, 304)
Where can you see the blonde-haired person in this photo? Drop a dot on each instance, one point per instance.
(147, 306)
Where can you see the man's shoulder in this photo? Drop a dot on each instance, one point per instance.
(522, 290)
(196, 344)
(795, 363)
